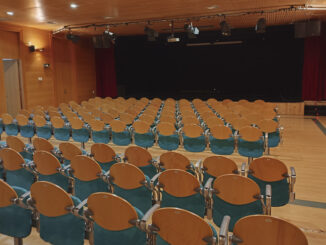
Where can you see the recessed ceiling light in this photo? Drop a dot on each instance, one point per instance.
(108, 17)
(10, 13)
(73, 5)
(212, 7)
(51, 22)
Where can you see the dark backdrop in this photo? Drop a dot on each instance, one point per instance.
(264, 66)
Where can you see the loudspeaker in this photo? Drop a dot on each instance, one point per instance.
(307, 29)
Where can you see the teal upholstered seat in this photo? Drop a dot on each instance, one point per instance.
(237, 197)
(144, 140)
(110, 226)
(11, 129)
(102, 136)
(62, 134)
(181, 189)
(44, 131)
(27, 131)
(121, 138)
(250, 143)
(15, 221)
(194, 144)
(168, 142)
(222, 146)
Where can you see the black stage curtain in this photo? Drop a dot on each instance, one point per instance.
(265, 66)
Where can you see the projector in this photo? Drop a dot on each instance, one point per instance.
(172, 39)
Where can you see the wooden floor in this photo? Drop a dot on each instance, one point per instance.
(304, 147)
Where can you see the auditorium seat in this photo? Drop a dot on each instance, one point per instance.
(68, 151)
(130, 183)
(235, 196)
(167, 137)
(175, 160)
(61, 129)
(180, 189)
(268, 171)
(43, 127)
(100, 132)
(250, 142)
(141, 158)
(104, 155)
(14, 142)
(178, 226)
(10, 124)
(57, 223)
(88, 177)
(15, 217)
(272, 133)
(221, 140)
(49, 169)
(26, 127)
(193, 138)
(18, 170)
(80, 131)
(267, 230)
(115, 220)
(120, 133)
(142, 133)
(216, 166)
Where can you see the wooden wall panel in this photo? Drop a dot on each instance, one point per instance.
(291, 108)
(37, 92)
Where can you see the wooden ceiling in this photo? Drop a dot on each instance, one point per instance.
(54, 14)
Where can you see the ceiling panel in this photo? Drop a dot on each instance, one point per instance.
(37, 13)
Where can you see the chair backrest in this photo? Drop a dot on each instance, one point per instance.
(69, 150)
(179, 227)
(118, 126)
(174, 160)
(190, 120)
(25, 112)
(54, 114)
(46, 163)
(57, 122)
(236, 189)
(221, 132)
(126, 118)
(268, 125)
(240, 123)
(102, 153)
(12, 160)
(166, 128)
(39, 121)
(76, 123)
(15, 143)
(192, 130)
(179, 183)
(7, 194)
(106, 118)
(268, 169)
(138, 156)
(41, 144)
(127, 176)
(6, 118)
(141, 127)
(22, 120)
(213, 121)
(218, 165)
(250, 133)
(96, 125)
(50, 199)
(267, 230)
(85, 168)
(111, 212)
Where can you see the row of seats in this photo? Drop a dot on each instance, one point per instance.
(168, 128)
(109, 219)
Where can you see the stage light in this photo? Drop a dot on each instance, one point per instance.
(73, 5)
(192, 31)
(10, 13)
(109, 35)
(261, 25)
(225, 28)
(172, 38)
(72, 37)
(152, 35)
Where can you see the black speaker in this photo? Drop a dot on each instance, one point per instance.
(307, 29)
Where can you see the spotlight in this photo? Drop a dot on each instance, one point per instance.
(172, 38)
(261, 25)
(31, 48)
(225, 29)
(109, 35)
(192, 31)
(72, 37)
(152, 35)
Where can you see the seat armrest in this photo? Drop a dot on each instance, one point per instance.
(118, 157)
(208, 184)
(152, 183)
(149, 213)
(20, 200)
(268, 203)
(224, 230)
(243, 169)
(293, 178)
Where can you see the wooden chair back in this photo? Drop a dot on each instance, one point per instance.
(15, 143)
(250, 133)
(138, 156)
(85, 168)
(46, 163)
(218, 165)
(127, 176)
(174, 160)
(192, 131)
(268, 169)
(69, 150)
(12, 160)
(7, 194)
(102, 153)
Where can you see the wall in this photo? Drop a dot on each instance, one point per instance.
(71, 75)
(75, 69)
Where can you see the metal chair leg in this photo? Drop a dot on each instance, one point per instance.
(18, 241)
(83, 145)
(29, 140)
(250, 159)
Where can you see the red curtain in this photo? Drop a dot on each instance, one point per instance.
(314, 69)
(106, 81)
